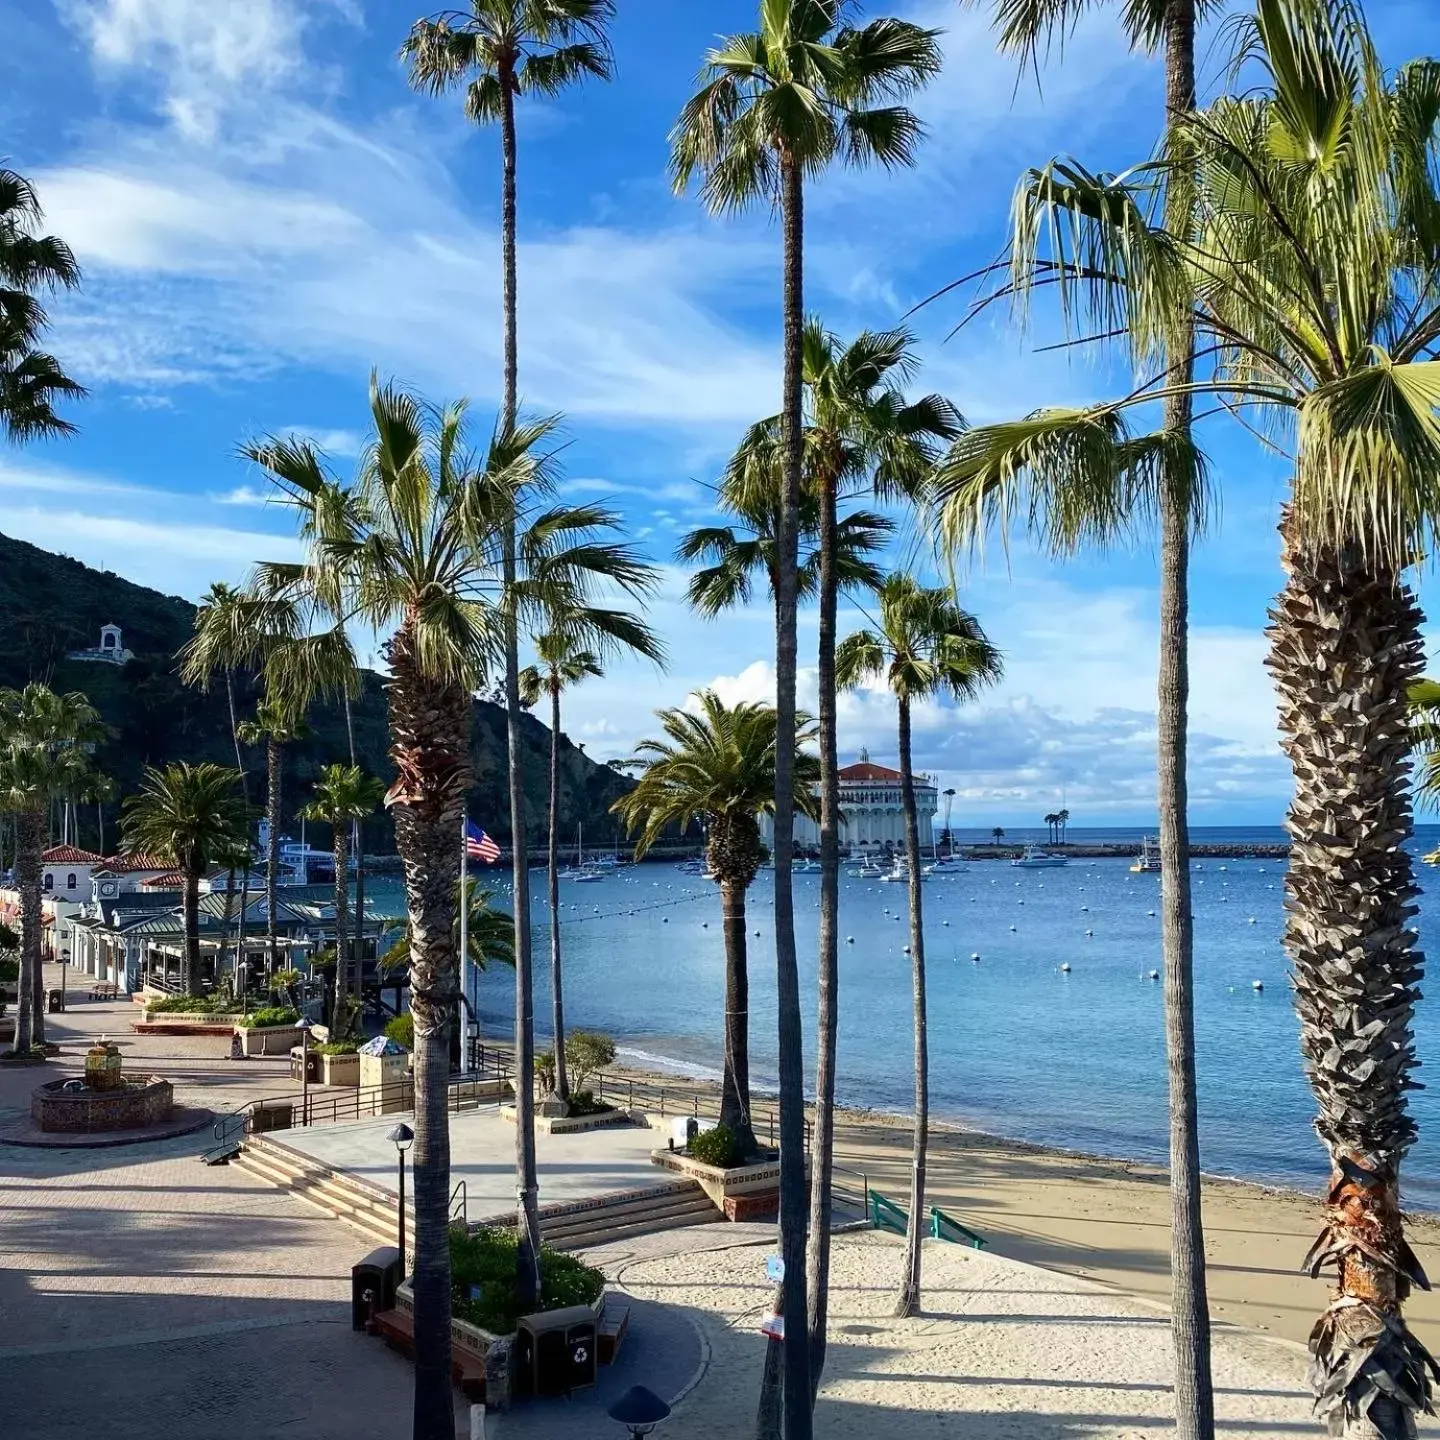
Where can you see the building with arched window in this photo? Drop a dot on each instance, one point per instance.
(872, 817)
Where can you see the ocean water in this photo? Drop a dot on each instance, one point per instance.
(1018, 1047)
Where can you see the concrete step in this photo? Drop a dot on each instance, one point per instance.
(320, 1188)
(666, 1210)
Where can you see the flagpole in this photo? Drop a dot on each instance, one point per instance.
(464, 938)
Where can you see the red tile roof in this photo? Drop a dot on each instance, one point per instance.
(174, 880)
(866, 770)
(69, 855)
(127, 864)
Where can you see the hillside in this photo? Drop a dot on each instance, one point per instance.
(50, 604)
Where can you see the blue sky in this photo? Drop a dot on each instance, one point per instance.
(264, 213)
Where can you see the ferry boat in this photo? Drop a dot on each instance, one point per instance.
(1148, 860)
(1034, 858)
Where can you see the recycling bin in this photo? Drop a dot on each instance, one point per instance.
(559, 1350)
(373, 1283)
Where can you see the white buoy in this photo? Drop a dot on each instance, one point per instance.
(704, 924)
(1065, 969)
(1019, 902)
(944, 922)
(1257, 984)
(1012, 928)
(1089, 934)
(1150, 912)
(849, 939)
(1250, 921)
(665, 920)
(976, 957)
(757, 934)
(1084, 909)
(1154, 975)
(907, 949)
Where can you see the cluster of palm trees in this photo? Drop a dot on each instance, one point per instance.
(1055, 825)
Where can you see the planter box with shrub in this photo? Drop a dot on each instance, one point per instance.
(269, 1032)
(339, 1067)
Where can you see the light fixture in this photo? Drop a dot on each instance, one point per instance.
(639, 1410)
(402, 1137)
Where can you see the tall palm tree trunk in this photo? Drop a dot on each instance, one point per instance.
(908, 1302)
(357, 944)
(235, 731)
(29, 843)
(1189, 1301)
(227, 920)
(526, 1179)
(798, 1425)
(562, 1080)
(735, 1082)
(822, 1148)
(190, 963)
(1345, 645)
(272, 849)
(430, 728)
(341, 842)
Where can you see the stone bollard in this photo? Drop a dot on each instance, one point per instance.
(477, 1422)
(237, 1049)
(498, 1362)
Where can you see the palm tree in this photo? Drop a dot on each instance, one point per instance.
(925, 646)
(192, 816)
(564, 659)
(860, 434)
(774, 108)
(1319, 182)
(1051, 820)
(226, 639)
(46, 741)
(342, 794)
(718, 766)
(507, 48)
(30, 380)
(1026, 27)
(276, 724)
(1062, 824)
(489, 933)
(998, 834)
(414, 550)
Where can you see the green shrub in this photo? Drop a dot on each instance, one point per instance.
(586, 1051)
(545, 1071)
(583, 1102)
(402, 1031)
(9, 972)
(269, 1018)
(284, 978)
(191, 1005)
(336, 1047)
(486, 1261)
(717, 1147)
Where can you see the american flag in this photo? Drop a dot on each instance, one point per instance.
(478, 845)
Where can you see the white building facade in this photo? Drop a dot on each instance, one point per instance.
(872, 816)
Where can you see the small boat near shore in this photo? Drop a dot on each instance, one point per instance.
(1034, 858)
(1148, 860)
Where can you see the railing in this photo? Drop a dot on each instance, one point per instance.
(461, 1211)
(886, 1214)
(946, 1227)
(850, 1188)
(632, 1094)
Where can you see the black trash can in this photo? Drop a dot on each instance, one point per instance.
(57, 1002)
(373, 1283)
(558, 1350)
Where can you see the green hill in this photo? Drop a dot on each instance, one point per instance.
(51, 604)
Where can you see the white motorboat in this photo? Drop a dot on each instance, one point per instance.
(869, 872)
(899, 872)
(1034, 858)
(1148, 860)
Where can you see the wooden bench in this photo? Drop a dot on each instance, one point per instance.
(104, 991)
(613, 1325)
(466, 1371)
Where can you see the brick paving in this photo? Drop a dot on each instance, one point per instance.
(142, 1290)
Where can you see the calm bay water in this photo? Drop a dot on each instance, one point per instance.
(1017, 1047)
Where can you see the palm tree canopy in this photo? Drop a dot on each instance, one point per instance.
(415, 541)
(275, 720)
(1301, 225)
(343, 793)
(189, 813)
(717, 761)
(1029, 28)
(735, 555)
(804, 88)
(926, 645)
(561, 664)
(46, 741)
(30, 381)
(530, 47)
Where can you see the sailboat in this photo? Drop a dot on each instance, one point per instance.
(584, 874)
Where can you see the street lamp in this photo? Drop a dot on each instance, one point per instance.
(402, 1137)
(639, 1410)
(305, 1027)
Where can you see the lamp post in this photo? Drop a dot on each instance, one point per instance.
(306, 1026)
(402, 1137)
(640, 1411)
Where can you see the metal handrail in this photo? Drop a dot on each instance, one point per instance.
(886, 1214)
(464, 1207)
(940, 1222)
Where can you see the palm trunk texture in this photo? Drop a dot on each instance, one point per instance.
(272, 849)
(908, 1301)
(735, 1083)
(29, 843)
(1345, 644)
(822, 1149)
(430, 735)
(562, 1080)
(526, 1180)
(190, 965)
(341, 842)
(793, 1197)
(357, 946)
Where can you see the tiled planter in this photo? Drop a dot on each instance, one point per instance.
(268, 1039)
(574, 1124)
(340, 1069)
(723, 1186)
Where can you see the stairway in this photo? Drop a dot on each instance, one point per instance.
(665, 1206)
